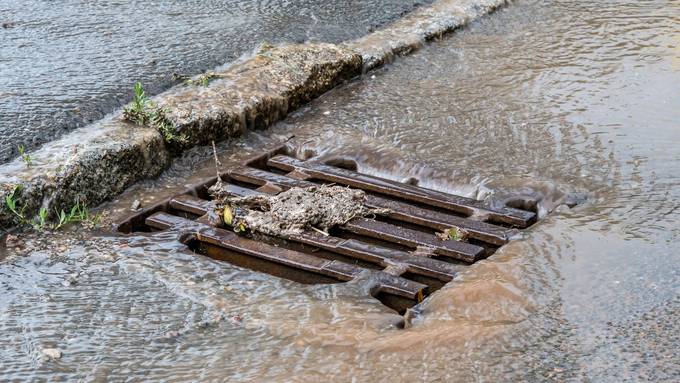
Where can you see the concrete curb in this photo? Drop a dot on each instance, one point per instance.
(97, 162)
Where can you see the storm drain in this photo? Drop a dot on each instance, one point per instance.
(403, 251)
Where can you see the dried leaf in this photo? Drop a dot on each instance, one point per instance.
(227, 215)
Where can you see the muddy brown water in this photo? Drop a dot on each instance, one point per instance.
(542, 98)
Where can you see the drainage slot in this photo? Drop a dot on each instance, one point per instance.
(343, 163)
(395, 302)
(527, 203)
(256, 264)
(317, 252)
(344, 234)
(433, 284)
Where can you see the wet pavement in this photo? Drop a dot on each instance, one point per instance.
(64, 64)
(540, 98)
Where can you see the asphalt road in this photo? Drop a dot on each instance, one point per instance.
(66, 63)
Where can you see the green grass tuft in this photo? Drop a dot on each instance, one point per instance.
(25, 156)
(142, 111)
(79, 213)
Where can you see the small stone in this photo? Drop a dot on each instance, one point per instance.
(52, 353)
(410, 181)
(14, 241)
(71, 280)
(136, 205)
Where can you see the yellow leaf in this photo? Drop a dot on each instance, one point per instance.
(227, 215)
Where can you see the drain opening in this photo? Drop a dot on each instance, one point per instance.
(401, 251)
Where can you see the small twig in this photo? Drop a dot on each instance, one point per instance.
(319, 231)
(218, 164)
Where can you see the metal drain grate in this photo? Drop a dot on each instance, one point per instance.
(400, 251)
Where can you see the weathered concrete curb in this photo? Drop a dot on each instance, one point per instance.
(258, 92)
(99, 161)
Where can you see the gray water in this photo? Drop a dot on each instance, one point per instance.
(66, 63)
(542, 98)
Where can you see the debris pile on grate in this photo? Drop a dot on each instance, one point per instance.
(292, 211)
(315, 222)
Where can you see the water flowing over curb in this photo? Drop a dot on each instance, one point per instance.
(97, 162)
(424, 24)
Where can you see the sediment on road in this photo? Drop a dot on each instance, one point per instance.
(99, 161)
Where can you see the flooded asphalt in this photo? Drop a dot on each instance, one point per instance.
(64, 64)
(543, 97)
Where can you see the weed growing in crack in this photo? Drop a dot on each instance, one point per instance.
(41, 224)
(25, 156)
(138, 111)
(162, 123)
(11, 204)
(79, 213)
(142, 111)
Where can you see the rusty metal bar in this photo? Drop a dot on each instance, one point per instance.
(380, 230)
(190, 204)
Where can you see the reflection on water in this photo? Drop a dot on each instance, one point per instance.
(546, 98)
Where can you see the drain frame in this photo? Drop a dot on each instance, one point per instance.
(388, 249)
